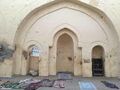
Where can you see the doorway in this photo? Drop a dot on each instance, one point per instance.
(98, 61)
(65, 54)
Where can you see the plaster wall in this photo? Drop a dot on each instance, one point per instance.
(42, 26)
(6, 68)
(90, 30)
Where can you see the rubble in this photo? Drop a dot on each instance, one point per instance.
(33, 73)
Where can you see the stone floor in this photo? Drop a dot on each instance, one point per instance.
(73, 84)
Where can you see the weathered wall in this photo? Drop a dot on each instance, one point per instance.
(12, 13)
(6, 68)
(41, 27)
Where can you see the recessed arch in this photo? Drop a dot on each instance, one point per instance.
(100, 51)
(65, 54)
(67, 28)
(65, 31)
(31, 62)
(31, 43)
(72, 57)
(50, 36)
(98, 59)
(33, 59)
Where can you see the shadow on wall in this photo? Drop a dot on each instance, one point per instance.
(5, 51)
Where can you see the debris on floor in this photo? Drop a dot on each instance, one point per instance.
(33, 73)
(64, 76)
(59, 84)
(31, 84)
(110, 85)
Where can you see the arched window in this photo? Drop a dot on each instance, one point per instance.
(35, 51)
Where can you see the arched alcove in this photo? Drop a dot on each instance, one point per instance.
(65, 54)
(29, 47)
(33, 59)
(98, 59)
